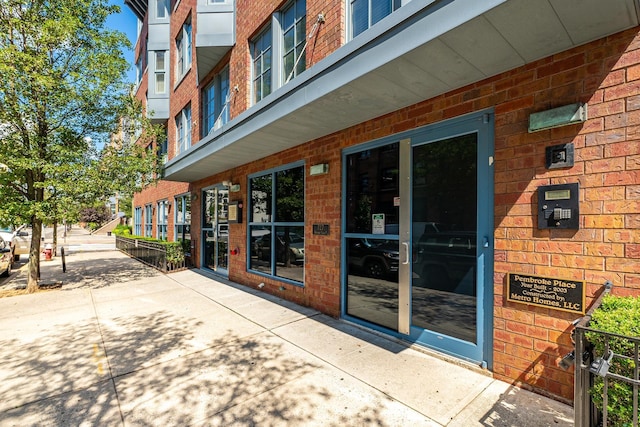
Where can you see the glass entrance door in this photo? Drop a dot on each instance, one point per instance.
(444, 224)
(419, 223)
(215, 229)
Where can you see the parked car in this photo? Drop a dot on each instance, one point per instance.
(19, 240)
(6, 258)
(295, 246)
(374, 258)
(446, 261)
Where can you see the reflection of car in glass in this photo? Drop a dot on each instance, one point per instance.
(375, 258)
(6, 258)
(295, 246)
(446, 261)
(19, 240)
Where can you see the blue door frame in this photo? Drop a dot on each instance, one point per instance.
(480, 351)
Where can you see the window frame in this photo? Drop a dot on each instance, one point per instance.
(160, 72)
(265, 34)
(162, 5)
(395, 5)
(219, 86)
(273, 223)
(137, 221)
(148, 220)
(298, 20)
(162, 220)
(182, 217)
(184, 44)
(183, 129)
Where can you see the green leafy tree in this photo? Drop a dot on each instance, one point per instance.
(62, 93)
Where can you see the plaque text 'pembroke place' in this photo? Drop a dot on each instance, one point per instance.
(559, 294)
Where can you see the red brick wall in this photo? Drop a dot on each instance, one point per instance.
(163, 190)
(528, 341)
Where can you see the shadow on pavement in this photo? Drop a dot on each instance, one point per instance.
(60, 375)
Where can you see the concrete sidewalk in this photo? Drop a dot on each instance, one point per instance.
(121, 344)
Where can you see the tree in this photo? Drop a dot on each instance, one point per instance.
(97, 214)
(63, 91)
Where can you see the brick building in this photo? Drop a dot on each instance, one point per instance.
(463, 175)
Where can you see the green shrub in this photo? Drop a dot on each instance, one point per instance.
(122, 230)
(175, 254)
(618, 315)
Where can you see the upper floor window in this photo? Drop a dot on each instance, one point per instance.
(161, 9)
(139, 70)
(183, 129)
(160, 74)
(261, 55)
(183, 48)
(215, 102)
(294, 30)
(163, 145)
(365, 13)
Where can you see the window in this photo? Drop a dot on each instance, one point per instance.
(215, 102)
(183, 129)
(276, 223)
(160, 72)
(183, 48)
(372, 186)
(365, 13)
(139, 70)
(161, 9)
(261, 55)
(137, 221)
(182, 221)
(163, 206)
(294, 29)
(148, 221)
(163, 145)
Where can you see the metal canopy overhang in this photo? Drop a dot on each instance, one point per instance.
(422, 50)
(138, 7)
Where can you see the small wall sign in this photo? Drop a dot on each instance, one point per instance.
(321, 229)
(559, 294)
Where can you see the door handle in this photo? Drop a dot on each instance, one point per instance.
(406, 253)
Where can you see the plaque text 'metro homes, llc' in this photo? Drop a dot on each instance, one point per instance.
(559, 294)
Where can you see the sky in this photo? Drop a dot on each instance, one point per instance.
(127, 23)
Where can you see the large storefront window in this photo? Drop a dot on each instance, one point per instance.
(276, 224)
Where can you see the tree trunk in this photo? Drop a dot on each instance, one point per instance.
(34, 255)
(55, 238)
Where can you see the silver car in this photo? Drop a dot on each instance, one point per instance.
(6, 258)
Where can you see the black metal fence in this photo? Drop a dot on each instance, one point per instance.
(150, 253)
(614, 389)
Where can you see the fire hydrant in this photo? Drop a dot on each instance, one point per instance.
(48, 252)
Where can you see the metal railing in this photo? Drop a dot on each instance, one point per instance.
(592, 368)
(150, 253)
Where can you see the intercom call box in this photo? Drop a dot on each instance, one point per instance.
(558, 206)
